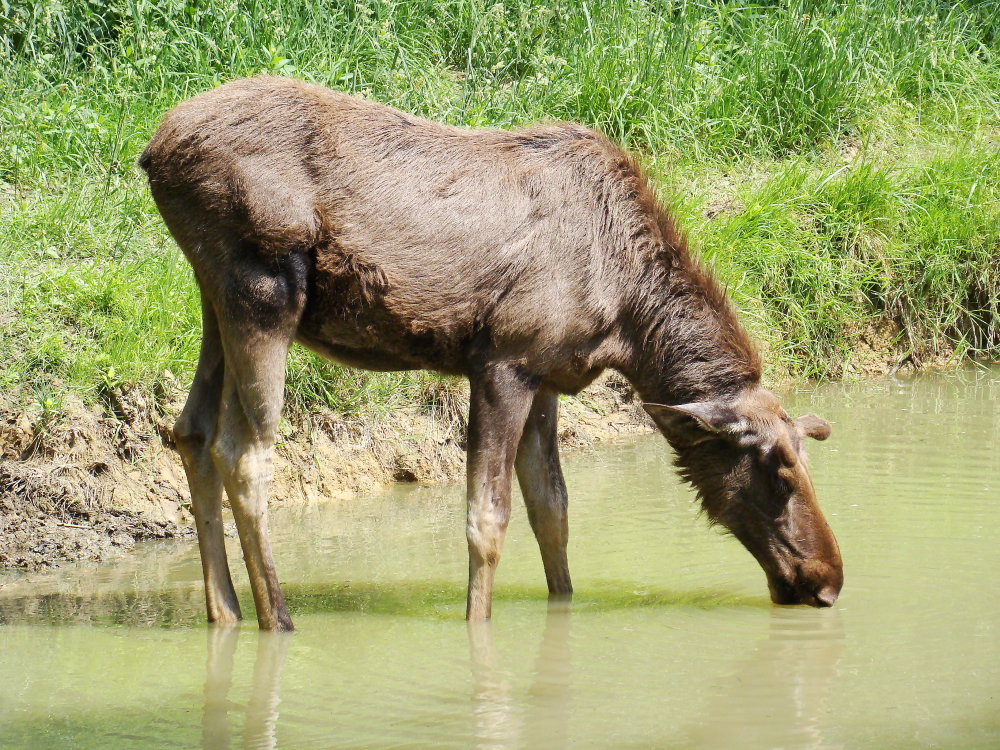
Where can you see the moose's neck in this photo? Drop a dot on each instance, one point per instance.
(687, 343)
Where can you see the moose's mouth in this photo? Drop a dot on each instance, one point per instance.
(810, 582)
(785, 593)
(796, 575)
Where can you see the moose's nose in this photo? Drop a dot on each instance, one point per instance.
(818, 583)
(827, 596)
(814, 583)
(783, 593)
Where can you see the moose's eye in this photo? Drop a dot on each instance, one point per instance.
(777, 455)
(783, 480)
(776, 467)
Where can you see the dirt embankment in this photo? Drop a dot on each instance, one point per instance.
(91, 482)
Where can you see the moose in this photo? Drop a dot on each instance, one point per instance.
(528, 261)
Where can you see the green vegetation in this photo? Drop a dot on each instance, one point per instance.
(836, 161)
(173, 607)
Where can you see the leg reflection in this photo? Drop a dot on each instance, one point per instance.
(260, 720)
(496, 726)
(262, 711)
(215, 728)
(540, 718)
(549, 694)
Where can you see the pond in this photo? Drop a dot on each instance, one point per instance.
(669, 641)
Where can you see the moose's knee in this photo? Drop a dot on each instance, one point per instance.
(190, 438)
(485, 537)
(552, 529)
(241, 466)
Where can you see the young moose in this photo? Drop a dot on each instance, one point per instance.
(528, 261)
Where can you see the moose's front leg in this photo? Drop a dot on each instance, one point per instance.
(500, 398)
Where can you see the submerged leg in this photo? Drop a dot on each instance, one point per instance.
(541, 481)
(501, 396)
(194, 433)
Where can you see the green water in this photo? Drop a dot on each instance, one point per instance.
(670, 640)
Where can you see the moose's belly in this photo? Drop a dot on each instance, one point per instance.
(359, 320)
(371, 338)
(563, 379)
(365, 359)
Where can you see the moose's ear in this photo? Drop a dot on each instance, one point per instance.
(690, 424)
(812, 426)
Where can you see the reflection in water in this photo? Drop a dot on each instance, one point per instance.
(493, 713)
(496, 708)
(262, 710)
(215, 729)
(140, 609)
(779, 695)
(549, 693)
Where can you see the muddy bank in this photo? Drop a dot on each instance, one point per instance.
(90, 482)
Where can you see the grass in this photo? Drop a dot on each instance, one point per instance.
(837, 162)
(826, 253)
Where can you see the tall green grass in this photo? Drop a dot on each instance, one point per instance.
(853, 145)
(828, 254)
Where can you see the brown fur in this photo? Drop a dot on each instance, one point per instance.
(528, 261)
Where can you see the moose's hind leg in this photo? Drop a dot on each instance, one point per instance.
(194, 433)
(544, 490)
(258, 315)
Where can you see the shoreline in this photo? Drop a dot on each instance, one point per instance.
(93, 481)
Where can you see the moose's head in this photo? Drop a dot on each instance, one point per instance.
(746, 459)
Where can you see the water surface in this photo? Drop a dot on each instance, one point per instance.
(670, 640)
